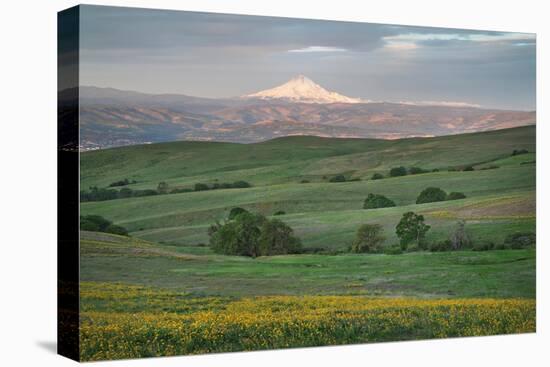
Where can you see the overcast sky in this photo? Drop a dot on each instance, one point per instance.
(216, 55)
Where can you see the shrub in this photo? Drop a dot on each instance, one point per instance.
(440, 246)
(338, 178)
(97, 223)
(280, 212)
(304, 181)
(492, 166)
(520, 240)
(484, 246)
(180, 190)
(116, 230)
(501, 246)
(468, 168)
(431, 195)
(201, 187)
(162, 187)
(456, 196)
(234, 212)
(417, 170)
(374, 201)
(119, 183)
(368, 238)
(411, 229)
(435, 170)
(519, 151)
(398, 171)
(393, 250)
(240, 185)
(125, 192)
(377, 176)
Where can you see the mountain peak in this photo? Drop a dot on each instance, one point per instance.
(302, 89)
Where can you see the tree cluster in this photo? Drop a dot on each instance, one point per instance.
(248, 234)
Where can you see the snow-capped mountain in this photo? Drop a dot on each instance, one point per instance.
(304, 90)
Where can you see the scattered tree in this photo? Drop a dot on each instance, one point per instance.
(280, 212)
(398, 171)
(368, 238)
(468, 168)
(411, 229)
(338, 178)
(374, 201)
(377, 176)
(430, 195)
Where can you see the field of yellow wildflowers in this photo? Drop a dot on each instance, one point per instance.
(173, 324)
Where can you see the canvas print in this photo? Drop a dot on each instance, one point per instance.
(236, 183)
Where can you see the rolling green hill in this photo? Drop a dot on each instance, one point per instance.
(499, 200)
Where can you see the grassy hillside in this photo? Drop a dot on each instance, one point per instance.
(290, 159)
(499, 200)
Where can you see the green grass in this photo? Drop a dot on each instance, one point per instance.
(323, 214)
(498, 274)
(291, 159)
(190, 300)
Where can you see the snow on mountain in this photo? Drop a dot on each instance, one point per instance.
(304, 90)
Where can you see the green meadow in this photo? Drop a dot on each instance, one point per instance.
(167, 266)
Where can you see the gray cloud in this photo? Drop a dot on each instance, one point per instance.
(220, 55)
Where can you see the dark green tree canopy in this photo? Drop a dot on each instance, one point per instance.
(411, 229)
(97, 223)
(398, 171)
(377, 176)
(431, 195)
(253, 235)
(236, 211)
(374, 201)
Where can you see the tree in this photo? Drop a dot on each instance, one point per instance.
(114, 229)
(398, 171)
(430, 195)
(162, 187)
(338, 178)
(460, 238)
(411, 229)
(97, 223)
(377, 176)
(240, 185)
(368, 238)
(277, 238)
(456, 196)
(279, 212)
(236, 211)
(253, 235)
(468, 168)
(374, 201)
